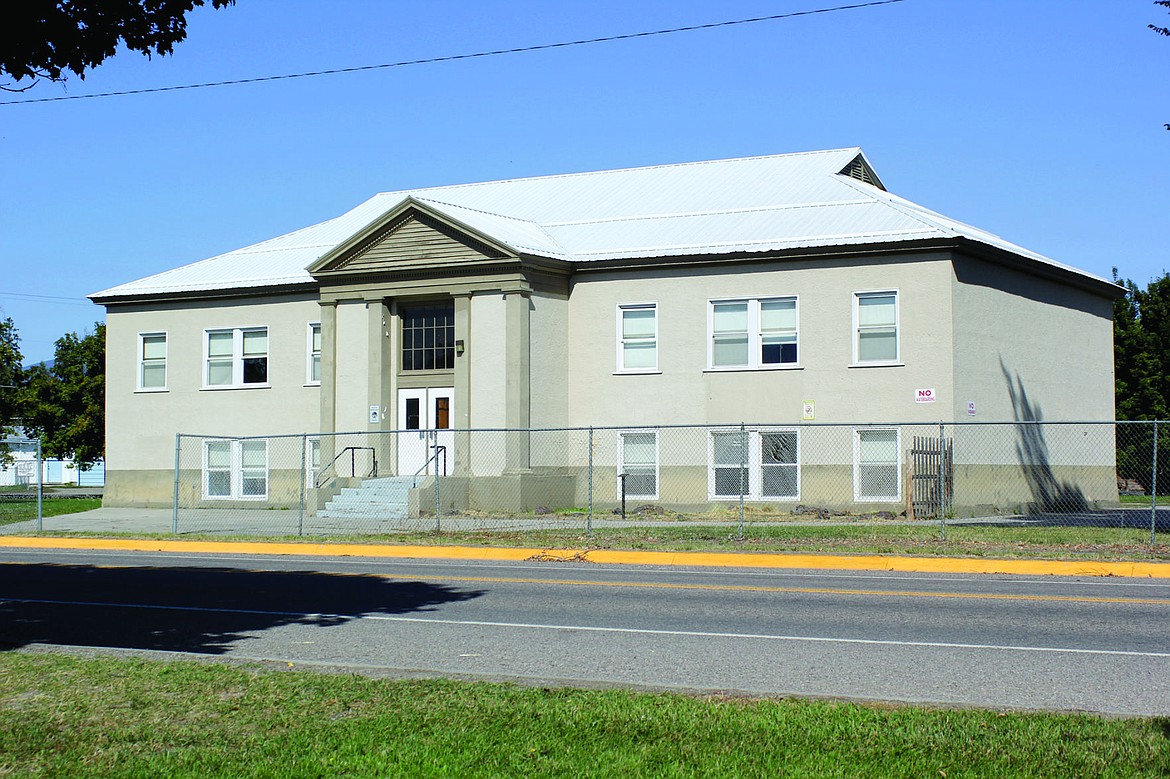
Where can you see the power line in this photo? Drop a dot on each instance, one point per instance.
(453, 57)
(46, 298)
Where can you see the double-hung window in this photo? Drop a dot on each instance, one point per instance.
(639, 462)
(757, 464)
(875, 324)
(753, 333)
(877, 471)
(637, 338)
(152, 362)
(236, 357)
(235, 469)
(313, 363)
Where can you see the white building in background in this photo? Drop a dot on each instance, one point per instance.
(19, 467)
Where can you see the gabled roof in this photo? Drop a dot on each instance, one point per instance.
(782, 202)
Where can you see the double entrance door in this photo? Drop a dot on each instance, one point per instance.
(428, 445)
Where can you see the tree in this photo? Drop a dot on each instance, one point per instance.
(1156, 28)
(1161, 30)
(11, 375)
(44, 38)
(65, 403)
(1141, 367)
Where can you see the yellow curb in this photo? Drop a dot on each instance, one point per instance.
(697, 559)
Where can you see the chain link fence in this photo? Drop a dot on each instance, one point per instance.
(22, 471)
(741, 478)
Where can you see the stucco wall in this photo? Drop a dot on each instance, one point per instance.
(141, 426)
(486, 351)
(1029, 348)
(549, 344)
(685, 391)
(353, 366)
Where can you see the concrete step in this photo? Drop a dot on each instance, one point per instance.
(382, 497)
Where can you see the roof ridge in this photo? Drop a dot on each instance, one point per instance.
(537, 225)
(898, 204)
(661, 166)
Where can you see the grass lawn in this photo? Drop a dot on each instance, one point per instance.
(1080, 543)
(20, 510)
(1058, 543)
(1143, 500)
(70, 716)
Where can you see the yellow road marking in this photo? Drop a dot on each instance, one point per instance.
(759, 588)
(616, 557)
(727, 587)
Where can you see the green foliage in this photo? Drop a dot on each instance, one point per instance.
(1141, 365)
(104, 716)
(11, 375)
(1156, 28)
(45, 38)
(65, 404)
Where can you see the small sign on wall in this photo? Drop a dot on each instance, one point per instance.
(808, 414)
(924, 395)
(971, 408)
(375, 415)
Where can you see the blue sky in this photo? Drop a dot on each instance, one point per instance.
(1040, 121)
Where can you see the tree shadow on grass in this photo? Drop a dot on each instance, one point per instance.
(191, 609)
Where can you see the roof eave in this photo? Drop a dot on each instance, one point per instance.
(966, 245)
(204, 294)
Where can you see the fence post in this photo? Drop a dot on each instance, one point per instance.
(1154, 489)
(40, 488)
(942, 495)
(175, 504)
(589, 479)
(304, 477)
(742, 474)
(437, 520)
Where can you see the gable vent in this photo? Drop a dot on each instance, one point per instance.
(858, 169)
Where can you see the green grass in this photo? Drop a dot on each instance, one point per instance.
(1143, 500)
(1057, 543)
(70, 716)
(21, 510)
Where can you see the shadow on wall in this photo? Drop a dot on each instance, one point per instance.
(1048, 494)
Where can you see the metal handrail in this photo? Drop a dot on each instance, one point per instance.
(353, 450)
(439, 449)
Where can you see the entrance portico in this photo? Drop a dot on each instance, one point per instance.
(438, 321)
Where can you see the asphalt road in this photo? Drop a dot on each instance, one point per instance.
(1087, 644)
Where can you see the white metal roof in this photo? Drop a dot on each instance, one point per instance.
(753, 204)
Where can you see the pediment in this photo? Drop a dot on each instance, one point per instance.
(410, 240)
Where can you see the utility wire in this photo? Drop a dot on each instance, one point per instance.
(453, 57)
(46, 298)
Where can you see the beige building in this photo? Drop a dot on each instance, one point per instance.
(779, 292)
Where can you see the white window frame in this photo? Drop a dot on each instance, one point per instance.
(754, 334)
(856, 337)
(622, 308)
(755, 465)
(142, 361)
(312, 461)
(236, 469)
(857, 494)
(621, 465)
(310, 354)
(237, 357)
